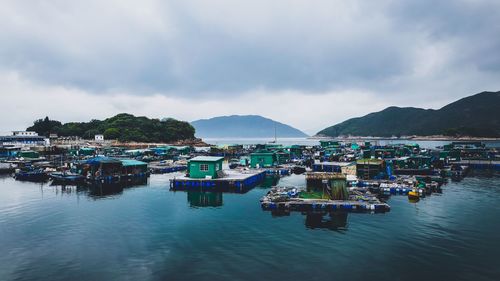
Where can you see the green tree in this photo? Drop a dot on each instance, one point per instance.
(112, 133)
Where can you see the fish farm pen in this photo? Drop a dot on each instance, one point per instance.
(479, 164)
(289, 199)
(313, 205)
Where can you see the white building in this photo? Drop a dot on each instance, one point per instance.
(99, 137)
(24, 133)
(24, 139)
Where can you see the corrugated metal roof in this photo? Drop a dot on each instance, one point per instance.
(206, 158)
(99, 159)
(131, 162)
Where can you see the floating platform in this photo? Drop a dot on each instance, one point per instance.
(317, 205)
(278, 171)
(479, 164)
(167, 169)
(233, 181)
(289, 199)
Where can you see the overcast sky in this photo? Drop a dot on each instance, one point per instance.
(308, 63)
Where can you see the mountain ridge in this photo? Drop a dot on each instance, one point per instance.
(476, 116)
(243, 126)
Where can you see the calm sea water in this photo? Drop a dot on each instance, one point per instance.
(150, 233)
(306, 141)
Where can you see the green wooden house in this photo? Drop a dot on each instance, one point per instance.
(294, 150)
(86, 151)
(329, 143)
(263, 159)
(131, 166)
(201, 167)
(28, 154)
(282, 157)
(369, 168)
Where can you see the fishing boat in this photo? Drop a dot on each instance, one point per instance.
(413, 194)
(6, 168)
(37, 175)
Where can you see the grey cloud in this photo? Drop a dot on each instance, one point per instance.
(373, 49)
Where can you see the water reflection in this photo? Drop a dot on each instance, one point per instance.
(332, 221)
(269, 181)
(335, 221)
(101, 190)
(204, 199)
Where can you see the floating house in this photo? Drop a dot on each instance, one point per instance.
(134, 168)
(28, 154)
(328, 143)
(385, 153)
(370, 168)
(202, 167)
(86, 151)
(414, 165)
(282, 157)
(346, 168)
(110, 170)
(263, 159)
(467, 151)
(102, 169)
(295, 151)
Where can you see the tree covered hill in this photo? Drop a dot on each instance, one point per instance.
(476, 116)
(124, 127)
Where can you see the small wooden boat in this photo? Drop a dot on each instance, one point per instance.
(31, 175)
(298, 170)
(66, 178)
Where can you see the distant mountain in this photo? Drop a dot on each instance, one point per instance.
(476, 116)
(243, 126)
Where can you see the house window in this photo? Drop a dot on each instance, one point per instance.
(203, 167)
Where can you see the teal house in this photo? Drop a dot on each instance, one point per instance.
(263, 159)
(329, 143)
(295, 151)
(133, 167)
(201, 167)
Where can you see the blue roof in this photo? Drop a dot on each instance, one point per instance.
(100, 159)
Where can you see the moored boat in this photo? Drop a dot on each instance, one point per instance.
(413, 194)
(37, 175)
(298, 170)
(66, 178)
(6, 168)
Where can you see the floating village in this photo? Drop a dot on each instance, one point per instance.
(339, 176)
